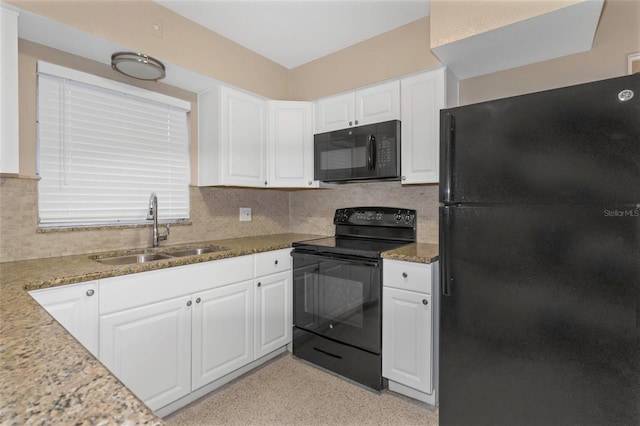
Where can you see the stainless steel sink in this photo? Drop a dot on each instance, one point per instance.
(196, 251)
(133, 259)
(150, 257)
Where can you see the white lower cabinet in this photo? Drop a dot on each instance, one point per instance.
(273, 320)
(409, 329)
(75, 307)
(149, 349)
(273, 300)
(407, 353)
(172, 334)
(222, 332)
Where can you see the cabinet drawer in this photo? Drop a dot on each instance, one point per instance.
(409, 276)
(272, 262)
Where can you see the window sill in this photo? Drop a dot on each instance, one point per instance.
(107, 227)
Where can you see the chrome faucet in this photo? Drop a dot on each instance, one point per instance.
(153, 215)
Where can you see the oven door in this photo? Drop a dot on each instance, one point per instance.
(338, 298)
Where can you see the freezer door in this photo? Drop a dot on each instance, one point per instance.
(574, 144)
(540, 320)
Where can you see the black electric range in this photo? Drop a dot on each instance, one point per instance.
(337, 291)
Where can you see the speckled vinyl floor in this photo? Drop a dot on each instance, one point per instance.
(287, 391)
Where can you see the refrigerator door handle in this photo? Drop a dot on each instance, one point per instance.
(445, 245)
(447, 166)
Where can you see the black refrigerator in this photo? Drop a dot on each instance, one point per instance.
(540, 258)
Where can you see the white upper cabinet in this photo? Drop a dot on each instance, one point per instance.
(9, 143)
(232, 149)
(423, 96)
(368, 105)
(290, 142)
(244, 140)
(378, 103)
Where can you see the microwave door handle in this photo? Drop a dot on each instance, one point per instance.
(374, 152)
(371, 141)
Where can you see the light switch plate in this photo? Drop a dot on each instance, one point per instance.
(245, 214)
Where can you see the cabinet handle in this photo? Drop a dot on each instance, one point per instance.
(276, 262)
(265, 183)
(90, 292)
(404, 275)
(309, 183)
(198, 300)
(356, 122)
(188, 302)
(259, 284)
(351, 123)
(425, 302)
(404, 178)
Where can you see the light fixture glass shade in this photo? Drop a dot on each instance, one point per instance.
(138, 65)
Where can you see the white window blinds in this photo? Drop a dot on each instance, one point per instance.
(103, 150)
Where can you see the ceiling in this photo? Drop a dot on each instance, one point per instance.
(294, 32)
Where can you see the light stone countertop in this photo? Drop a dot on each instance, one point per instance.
(416, 252)
(49, 378)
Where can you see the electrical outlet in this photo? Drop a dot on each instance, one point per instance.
(245, 214)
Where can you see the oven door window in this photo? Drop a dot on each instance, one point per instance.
(338, 299)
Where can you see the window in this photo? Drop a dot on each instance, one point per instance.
(104, 147)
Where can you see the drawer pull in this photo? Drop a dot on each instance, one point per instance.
(425, 302)
(276, 262)
(404, 275)
(188, 302)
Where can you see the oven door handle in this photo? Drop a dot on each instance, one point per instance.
(336, 257)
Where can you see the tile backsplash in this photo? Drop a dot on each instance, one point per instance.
(214, 215)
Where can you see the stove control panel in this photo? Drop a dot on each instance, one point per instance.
(375, 216)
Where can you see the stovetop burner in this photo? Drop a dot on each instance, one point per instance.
(366, 232)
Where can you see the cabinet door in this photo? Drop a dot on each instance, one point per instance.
(423, 96)
(75, 307)
(149, 349)
(222, 332)
(407, 338)
(243, 139)
(378, 103)
(291, 144)
(334, 112)
(273, 308)
(9, 145)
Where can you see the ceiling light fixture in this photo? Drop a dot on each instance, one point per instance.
(138, 65)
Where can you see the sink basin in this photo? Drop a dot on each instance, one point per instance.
(133, 259)
(196, 251)
(150, 257)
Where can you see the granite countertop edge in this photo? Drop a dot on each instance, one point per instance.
(416, 252)
(49, 377)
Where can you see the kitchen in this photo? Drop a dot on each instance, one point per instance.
(214, 209)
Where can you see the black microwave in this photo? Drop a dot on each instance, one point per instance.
(369, 152)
